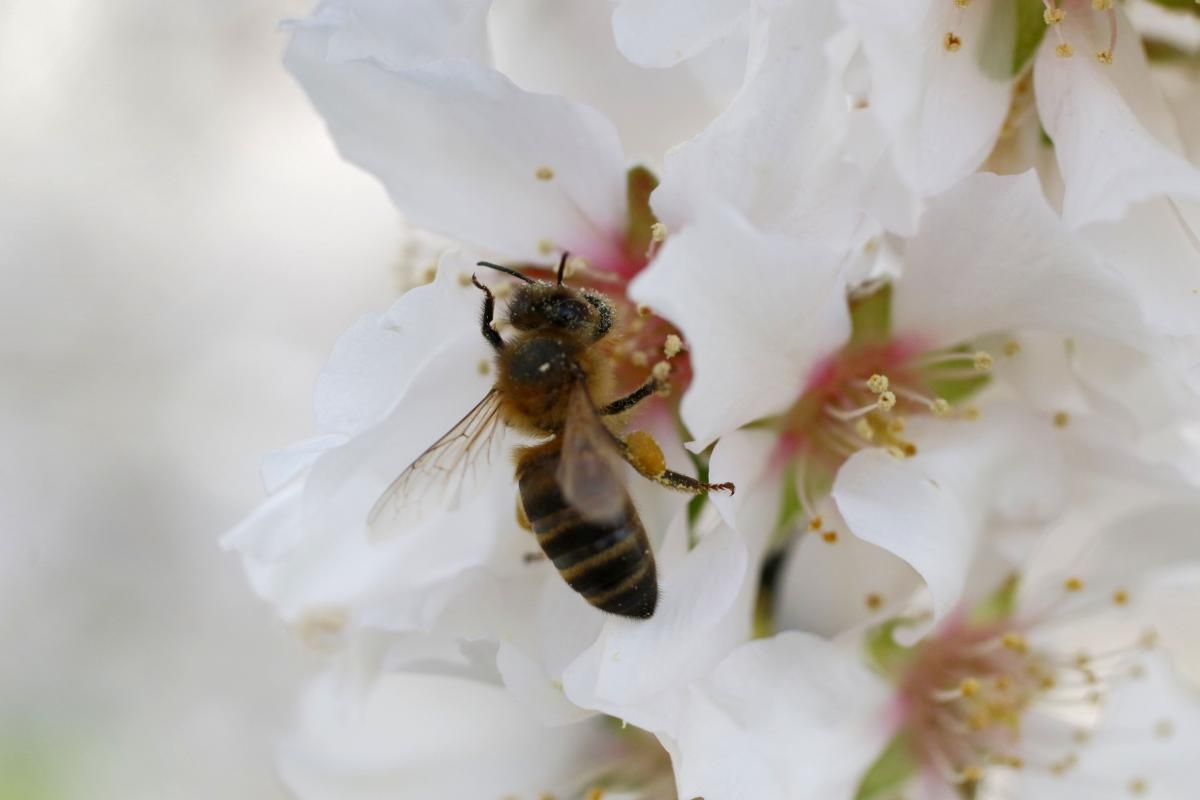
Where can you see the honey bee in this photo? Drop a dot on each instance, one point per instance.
(570, 490)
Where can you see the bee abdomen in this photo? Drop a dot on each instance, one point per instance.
(610, 563)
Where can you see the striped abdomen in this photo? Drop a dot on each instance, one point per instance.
(609, 563)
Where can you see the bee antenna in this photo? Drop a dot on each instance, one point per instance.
(562, 266)
(505, 270)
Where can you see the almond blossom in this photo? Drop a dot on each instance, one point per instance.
(1058, 684)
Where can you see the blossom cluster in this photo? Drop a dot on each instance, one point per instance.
(921, 279)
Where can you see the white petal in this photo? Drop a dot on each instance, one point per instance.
(775, 153)
(459, 149)
(375, 361)
(930, 509)
(829, 588)
(757, 310)
(403, 35)
(564, 49)
(991, 256)
(659, 33)
(637, 670)
(1109, 160)
(782, 718)
(414, 737)
(943, 109)
(1148, 731)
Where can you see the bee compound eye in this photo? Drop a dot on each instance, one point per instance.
(566, 312)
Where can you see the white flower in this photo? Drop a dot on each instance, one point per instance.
(436, 737)
(1056, 689)
(915, 474)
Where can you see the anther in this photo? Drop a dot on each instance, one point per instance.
(962, 3)
(830, 537)
(1120, 597)
(886, 401)
(544, 173)
(971, 775)
(1015, 642)
(1104, 56)
(672, 345)
(1073, 584)
(874, 601)
(1138, 786)
(643, 311)
(1064, 50)
(983, 361)
(815, 524)
(658, 232)
(1102, 5)
(1012, 347)
(660, 371)
(969, 687)
(864, 430)
(1061, 419)
(940, 407)
(951, 43)
(1053, 16)
(464, 279)
(545, 246)
(878, 384)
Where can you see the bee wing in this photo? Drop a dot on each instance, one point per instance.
(589, 470)
(447, 469)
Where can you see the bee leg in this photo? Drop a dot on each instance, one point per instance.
(485, 322)
(632, 399)
(533, 558)
(644, 455)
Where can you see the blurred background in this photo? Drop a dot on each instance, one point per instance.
(179, 249)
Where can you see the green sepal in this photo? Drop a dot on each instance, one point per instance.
(894, 767)
(999, 605)
(1030, 29)
(883, 651)
(871, 314)
(639, 183)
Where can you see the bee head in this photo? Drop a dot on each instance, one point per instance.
(546, 307)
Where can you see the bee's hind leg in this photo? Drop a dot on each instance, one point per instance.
(643, 454)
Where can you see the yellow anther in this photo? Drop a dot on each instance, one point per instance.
(1064, 50)
(1104, 56)
(951, 42)
(545, 246)
(979, 719)
(830, 537)
(877, 383)
(1138, 786)
(970, 413)
(661, 371)
(908, 449)
(1148, 639)
(643, 311)
(672, 345)
(464, 279)
(1073, 585)
(544, 173)
(1012, 347)
(896, 425)
(815, 524)
(972, 775)
(645, 455)
(1120, 597)
(962, 3)
(940, 407)
(1102, 5)
(886, 401)
(1015, 642)
(1061, 419)
(864, 429)
(1003, 683)
(874, 601)
(595, 793)
(969, 687)
(658, 232)
(983, 361)
(1053, 16)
